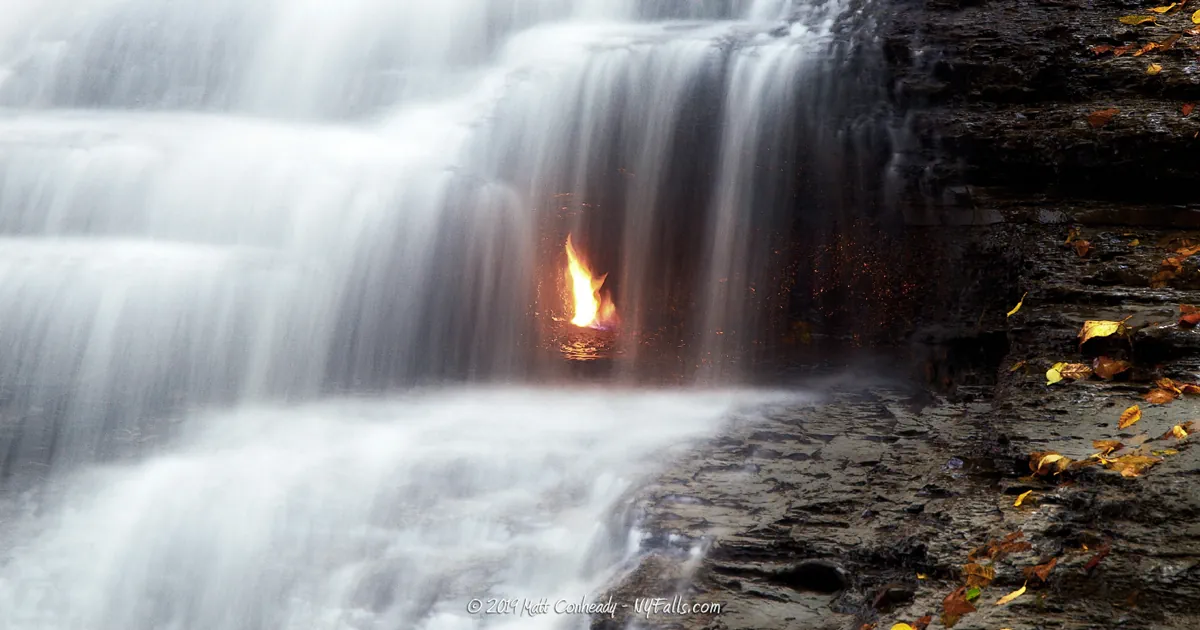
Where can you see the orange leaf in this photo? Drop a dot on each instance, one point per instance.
(1098, 119)
(1129, 416)
(1107, 368)
(1121, 50)
(1187, 109)
(1132, 465)
(1082, 248)
(1145, 49)
(1154, 68)
(1159, 396)
(1107, 446)
(1100, 555)
(1101, 49)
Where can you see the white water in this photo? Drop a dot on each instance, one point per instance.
(372, 515)
(215, 213)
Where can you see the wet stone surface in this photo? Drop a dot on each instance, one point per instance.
(863, 507)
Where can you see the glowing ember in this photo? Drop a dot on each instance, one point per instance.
(592, 310)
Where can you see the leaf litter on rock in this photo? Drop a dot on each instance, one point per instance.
(1098, 119)
(1107, 368)
(1129, 417)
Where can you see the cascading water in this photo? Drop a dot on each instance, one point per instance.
(252, 205)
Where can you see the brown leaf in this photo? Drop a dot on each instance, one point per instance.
(1075, 371)
(1107, 368)
(1107, 446)
(1049, 462)
(1101, 553)
(921, 623)
(954, 606)
(1082, 248)
(1129, 417)
(1169, 42)
(1098, 119)
(1121, 50)
(1101, 49)
(1187, 109)
(1188, 251)
(1042, 571)
(1189, 320)
(1189, 389)
(978, 575)
(1159, 396)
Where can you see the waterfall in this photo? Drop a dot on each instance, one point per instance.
(217, 216)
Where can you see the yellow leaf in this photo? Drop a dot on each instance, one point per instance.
(1153, 68)
(1054, 374)
(1021, 498)
(1049, 459)
(1018, 306)
(902, 626)
(1179, 432)
(1016, 366)
(1196, 17)
(1107, 446)
(1134, 243)
(1163, 9)
(1134, 20)
(1101, 328)
(922, 576)
(1129, 416)
(1011, 596)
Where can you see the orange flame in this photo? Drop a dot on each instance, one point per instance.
(592, 310)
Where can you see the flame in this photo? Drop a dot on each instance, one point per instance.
(591, 309)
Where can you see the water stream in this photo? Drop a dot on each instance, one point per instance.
(225, 222)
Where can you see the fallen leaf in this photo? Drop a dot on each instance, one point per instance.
(1107, 446)
(1195, 18)
(954, 606)
(1188, 251)
(1121, 50)
(1158, 396)
(1107, 368)
(922, 576)
(1145, 49)
(1101, 49)
(1073, 233)
(1153, 68)
(972, 593)
(1169, 42)
(1075, 371)
(1134, 20)
(903, 626)
(1134, 243)
(1043, 570)
(1179, 432)
(1164, 9)
(1189, 388)
(1016, 366)
(1100, 555)
(1187, 109)
(1129, 417)
(1054, 374)
(1021, 498)
(922, 622)
(1018, 306)
(1164, 452)
(1098, 119)
(1082, 248)
(1100, 328)
(1188, 316)
(1048, 463)
(1132, 465)
(1169, 385)
(979, 575)
(1011, 596)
